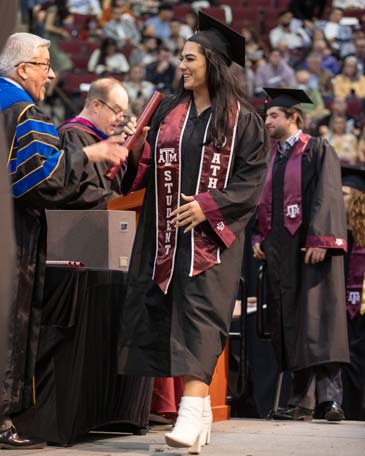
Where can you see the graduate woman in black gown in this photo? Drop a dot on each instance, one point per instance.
(203, 165)
(353, 374)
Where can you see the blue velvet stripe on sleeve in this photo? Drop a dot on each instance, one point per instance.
(36, 154)
(32, 126)
(38, 175)
(36, 147)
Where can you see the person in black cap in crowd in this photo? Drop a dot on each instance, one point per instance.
(302, 237)
(204, 163)
(353, 374)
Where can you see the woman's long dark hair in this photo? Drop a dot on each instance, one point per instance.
(103, 47)
(224, 90)
(62, 10)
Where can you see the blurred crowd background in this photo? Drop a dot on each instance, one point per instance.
(317, 46)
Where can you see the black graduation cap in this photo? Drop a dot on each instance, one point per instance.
(220, 38)
(353, 176)
(286, 98)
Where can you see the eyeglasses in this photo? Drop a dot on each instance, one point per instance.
(117, 113)
(47, 66)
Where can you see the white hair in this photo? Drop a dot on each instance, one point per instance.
(19, 47)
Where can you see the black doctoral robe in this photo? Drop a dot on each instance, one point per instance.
(184, 331)
(306, 301)
(95, 189)
(7, 241)
(42, 176)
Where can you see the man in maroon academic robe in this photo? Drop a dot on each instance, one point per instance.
(100, 118)
(302, 227)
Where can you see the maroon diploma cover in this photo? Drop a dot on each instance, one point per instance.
(145, 116)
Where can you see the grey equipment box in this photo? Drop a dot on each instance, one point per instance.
(97, 238)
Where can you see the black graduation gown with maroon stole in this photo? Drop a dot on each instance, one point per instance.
(182, 287)
(301, 206)
(353, 374)
(95, 190)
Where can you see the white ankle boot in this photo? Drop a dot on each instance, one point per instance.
(189, 428)
(207, 418)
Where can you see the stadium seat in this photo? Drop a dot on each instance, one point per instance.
(181, 10)
(77, 47)
(79, 20)
(72, 81)
(216, 12)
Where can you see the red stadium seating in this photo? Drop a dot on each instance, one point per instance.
(78, 47)
(80, 61)
(79, 20)
(180, 11)
(72, 81)
(216, 12)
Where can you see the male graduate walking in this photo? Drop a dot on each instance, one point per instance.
(302, 226)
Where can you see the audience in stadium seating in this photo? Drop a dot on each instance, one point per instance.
(108, 59)
(162, 72)
(255, 48)
(161, 21)
(329, 61)
(319, 78)
(339, 106)
(84, 7)
(56, 15)
(316, 111)
(315, 36)
(275, 73)
(138, 89)
(345, 144)
(122, 27)
(146, 52)
(362, 146)
(308, 10)
(291, 31)
(349, 82)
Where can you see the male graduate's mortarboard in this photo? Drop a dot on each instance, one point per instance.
(286, 98)
(353, 176)
(218, 37)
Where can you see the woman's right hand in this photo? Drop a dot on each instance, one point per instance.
(257, 252)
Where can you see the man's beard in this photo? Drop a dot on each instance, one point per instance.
(278, 133)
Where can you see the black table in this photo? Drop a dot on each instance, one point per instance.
(77, 386)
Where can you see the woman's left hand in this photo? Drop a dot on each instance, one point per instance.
(188, 214)
(314, 255)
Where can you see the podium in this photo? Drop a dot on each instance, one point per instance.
(218, 387)
(131, 202)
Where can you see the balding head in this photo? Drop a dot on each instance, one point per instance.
(302, 76)
(106, 104)
(101, 88)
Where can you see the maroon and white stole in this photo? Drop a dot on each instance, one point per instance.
(214, 172)
(355, 287)
(292, 191)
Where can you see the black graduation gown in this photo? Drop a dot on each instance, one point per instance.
(184, 332)
(95, 190)
(306, 302)
(64, 170)
(353, 374)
